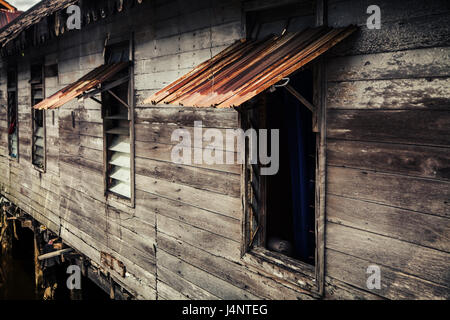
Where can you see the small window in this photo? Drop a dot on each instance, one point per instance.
(38, 117)
(281, 211)
(117, 104)
(13, 114)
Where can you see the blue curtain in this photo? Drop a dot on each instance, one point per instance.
(296, 116)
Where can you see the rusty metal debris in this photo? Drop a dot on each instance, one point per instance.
(112, 263)
(248, 67)
(85, 83)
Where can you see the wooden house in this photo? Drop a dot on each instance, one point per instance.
(363, 187)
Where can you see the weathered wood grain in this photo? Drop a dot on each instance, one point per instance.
(430, 93)
(394, 284)
(392, 190)
(218, 287)
(418, 63)
(428, 162)
(199, 238)
(220, 182)
(219, 203)
(185, 116)
(422, 229)
(399, 255)
(430, 127)
(419, 32)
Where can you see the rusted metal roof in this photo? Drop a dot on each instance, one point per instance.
(85, 83)
(8, 16)
(31, 17)
(247, 68)
(7, 6)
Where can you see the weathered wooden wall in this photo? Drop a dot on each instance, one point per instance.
(388, 120)
(388, 160)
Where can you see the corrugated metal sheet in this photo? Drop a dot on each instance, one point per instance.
(85, 83)
(31, 17)
(7, 16)
(247, 68)
(7, 6)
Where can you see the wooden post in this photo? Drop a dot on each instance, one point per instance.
(38, 273)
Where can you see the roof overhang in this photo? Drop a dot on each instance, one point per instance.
(90, 81)
(247, 68)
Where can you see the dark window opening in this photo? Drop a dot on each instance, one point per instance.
(291, 193)
(38, 116)
(282, 206)
(13, 114)
(117, 125)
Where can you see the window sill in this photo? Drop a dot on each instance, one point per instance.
(116, 201)
(41, 170)
(293, 273)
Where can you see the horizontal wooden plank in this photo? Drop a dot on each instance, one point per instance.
(417, 194)
(419, 63)
(210, 117)
(200, 238)
(419, 32)
(234, 273)
(429, 162)
(430, 93)
(215, 202)
(412, 259)
(422, 229)
(345, 12)
(422, 127)
(394, 284)
(216, 223)
(179, 284)
(163, 152)
(216, 286)
(215, 181)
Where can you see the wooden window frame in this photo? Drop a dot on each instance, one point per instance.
(8, 116)
(112, 198)
(44, 115)
(296, 274)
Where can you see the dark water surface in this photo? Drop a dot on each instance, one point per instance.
(17, 269)
(17, 275)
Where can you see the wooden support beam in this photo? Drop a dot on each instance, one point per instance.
(120, 100)
(96, 100)
(300, 98)
(106, 87)
(54, 254)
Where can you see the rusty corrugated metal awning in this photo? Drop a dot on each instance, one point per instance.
(247, 68)
(85, 83)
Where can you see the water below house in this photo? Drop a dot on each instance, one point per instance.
(17, 269)
(17, 273)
